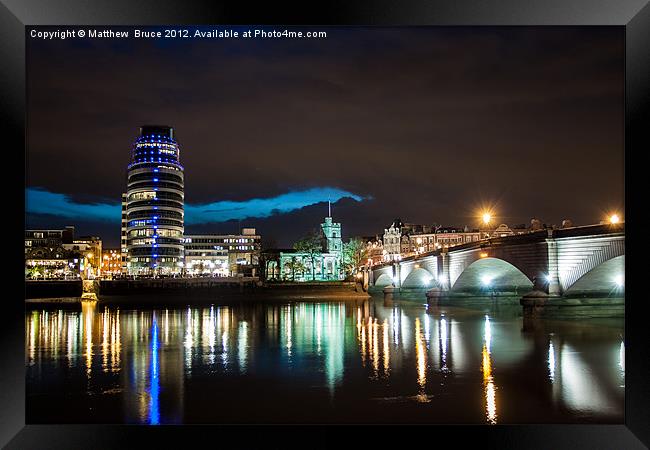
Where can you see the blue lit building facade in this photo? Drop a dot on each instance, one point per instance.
(154, 204)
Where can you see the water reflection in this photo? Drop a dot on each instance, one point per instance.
(372, 348)
(421, 358)
(551, 361)
(154, 414)
(488, 380)
(242, 346)
(153, 361)
(621, 357)
(442, 336)
(88, 314)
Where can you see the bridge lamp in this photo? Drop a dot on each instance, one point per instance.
(613, 219)
(619, 280)
(487, 217)
(486, 280)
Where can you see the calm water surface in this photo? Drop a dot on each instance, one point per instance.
(320, 362)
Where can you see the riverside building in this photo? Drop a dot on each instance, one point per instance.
(223, 254)
(46, 256)
(56, 254)
(403, 240)
(324, 264)
(154, 204)
(111, 262)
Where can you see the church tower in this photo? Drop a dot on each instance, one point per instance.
(332, 232)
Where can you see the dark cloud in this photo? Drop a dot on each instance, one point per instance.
(430, 122)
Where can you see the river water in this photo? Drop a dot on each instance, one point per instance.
(334, 362)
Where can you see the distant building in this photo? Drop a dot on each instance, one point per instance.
(374, 250)
(402, 240)
(322, 265)
(450, 237)
(57, 254)
(536, 224)
(46, 255)
(111, 262)
(223, 254)
(41, 238)
(502, 230)
(392, 241)
(89, 249)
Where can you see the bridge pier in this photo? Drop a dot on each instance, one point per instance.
(538, 304)
(434, 295)
(389, 295)
(90, 290)
(444, 279)
(397, 275)
(554, 287)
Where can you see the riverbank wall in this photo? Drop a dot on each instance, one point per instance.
(190, 288)
(53, 289)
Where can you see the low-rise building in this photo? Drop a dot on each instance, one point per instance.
(374, 250)
(450, 237)
(392, 241)
(48, 238)
(47, 254)
(111, 262)
(222, 254)
(89, 249)
(403, 240)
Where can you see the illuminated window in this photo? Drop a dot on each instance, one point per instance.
(147, 195)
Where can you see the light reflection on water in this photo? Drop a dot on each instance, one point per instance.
(170, 365)
(488, 379)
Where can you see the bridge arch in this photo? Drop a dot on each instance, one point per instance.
(579, 256)
(383, 280)
(419, 278)
(492, 274)
(608, 276)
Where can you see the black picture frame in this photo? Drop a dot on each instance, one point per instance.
(634, 15)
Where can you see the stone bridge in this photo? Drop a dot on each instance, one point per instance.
(577, 261)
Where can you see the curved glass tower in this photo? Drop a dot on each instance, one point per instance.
(154, 204)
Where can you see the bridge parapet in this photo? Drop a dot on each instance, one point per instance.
(590, 230)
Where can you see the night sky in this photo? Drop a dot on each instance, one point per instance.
(425, 124)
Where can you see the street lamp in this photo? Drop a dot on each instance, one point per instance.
(487, 217)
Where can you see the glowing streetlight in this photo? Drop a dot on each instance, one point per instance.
(487, 217)
(619, 280)
(614, 219)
